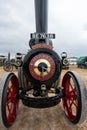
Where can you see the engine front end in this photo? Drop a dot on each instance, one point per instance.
(42, 66)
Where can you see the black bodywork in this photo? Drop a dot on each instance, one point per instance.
(41, 38)
(38, 81)
(65, 62)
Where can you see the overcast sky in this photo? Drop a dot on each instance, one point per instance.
(67, 19)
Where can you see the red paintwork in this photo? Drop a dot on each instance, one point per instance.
(11, 99)
(42, 46)
(46, 57)
(70, 101)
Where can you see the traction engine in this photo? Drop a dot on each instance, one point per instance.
(38, 82)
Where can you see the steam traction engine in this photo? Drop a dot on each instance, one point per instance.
(38, 79)
(65, 61)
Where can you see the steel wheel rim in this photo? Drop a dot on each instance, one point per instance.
(11, 102)
(70, 101)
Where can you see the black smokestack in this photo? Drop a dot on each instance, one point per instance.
(41, 14)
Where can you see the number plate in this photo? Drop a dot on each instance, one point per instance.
(42, 36)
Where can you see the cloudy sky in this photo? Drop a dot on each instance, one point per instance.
(67, 18)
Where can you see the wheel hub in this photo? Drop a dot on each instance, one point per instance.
(42, 67)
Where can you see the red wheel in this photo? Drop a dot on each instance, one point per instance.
(9, 89)
(74, 102)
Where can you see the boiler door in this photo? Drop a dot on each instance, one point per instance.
(42, 67)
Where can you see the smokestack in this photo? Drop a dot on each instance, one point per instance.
(41, 15)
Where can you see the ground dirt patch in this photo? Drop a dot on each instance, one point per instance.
(49, 118)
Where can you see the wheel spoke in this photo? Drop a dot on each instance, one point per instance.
(72, 94)
(68, 111)
(11, 94)
(11, 112)
(72, 87)
(66, 90)
(73, 102)
(8, 108)
(10, 105)
(70, 101)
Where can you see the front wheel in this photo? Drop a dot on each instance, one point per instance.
(9, 90)
(74, 102)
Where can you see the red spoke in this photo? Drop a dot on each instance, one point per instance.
(69, 112)
(10, 97)
(8, 101)
(70, 101)
(74, 102)
(11, 100)
(12, 112)
(73, 94)
(73, 91)
(9, 89)
(68, 108)
(8, 108)
(71, 85)
(67, 88)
